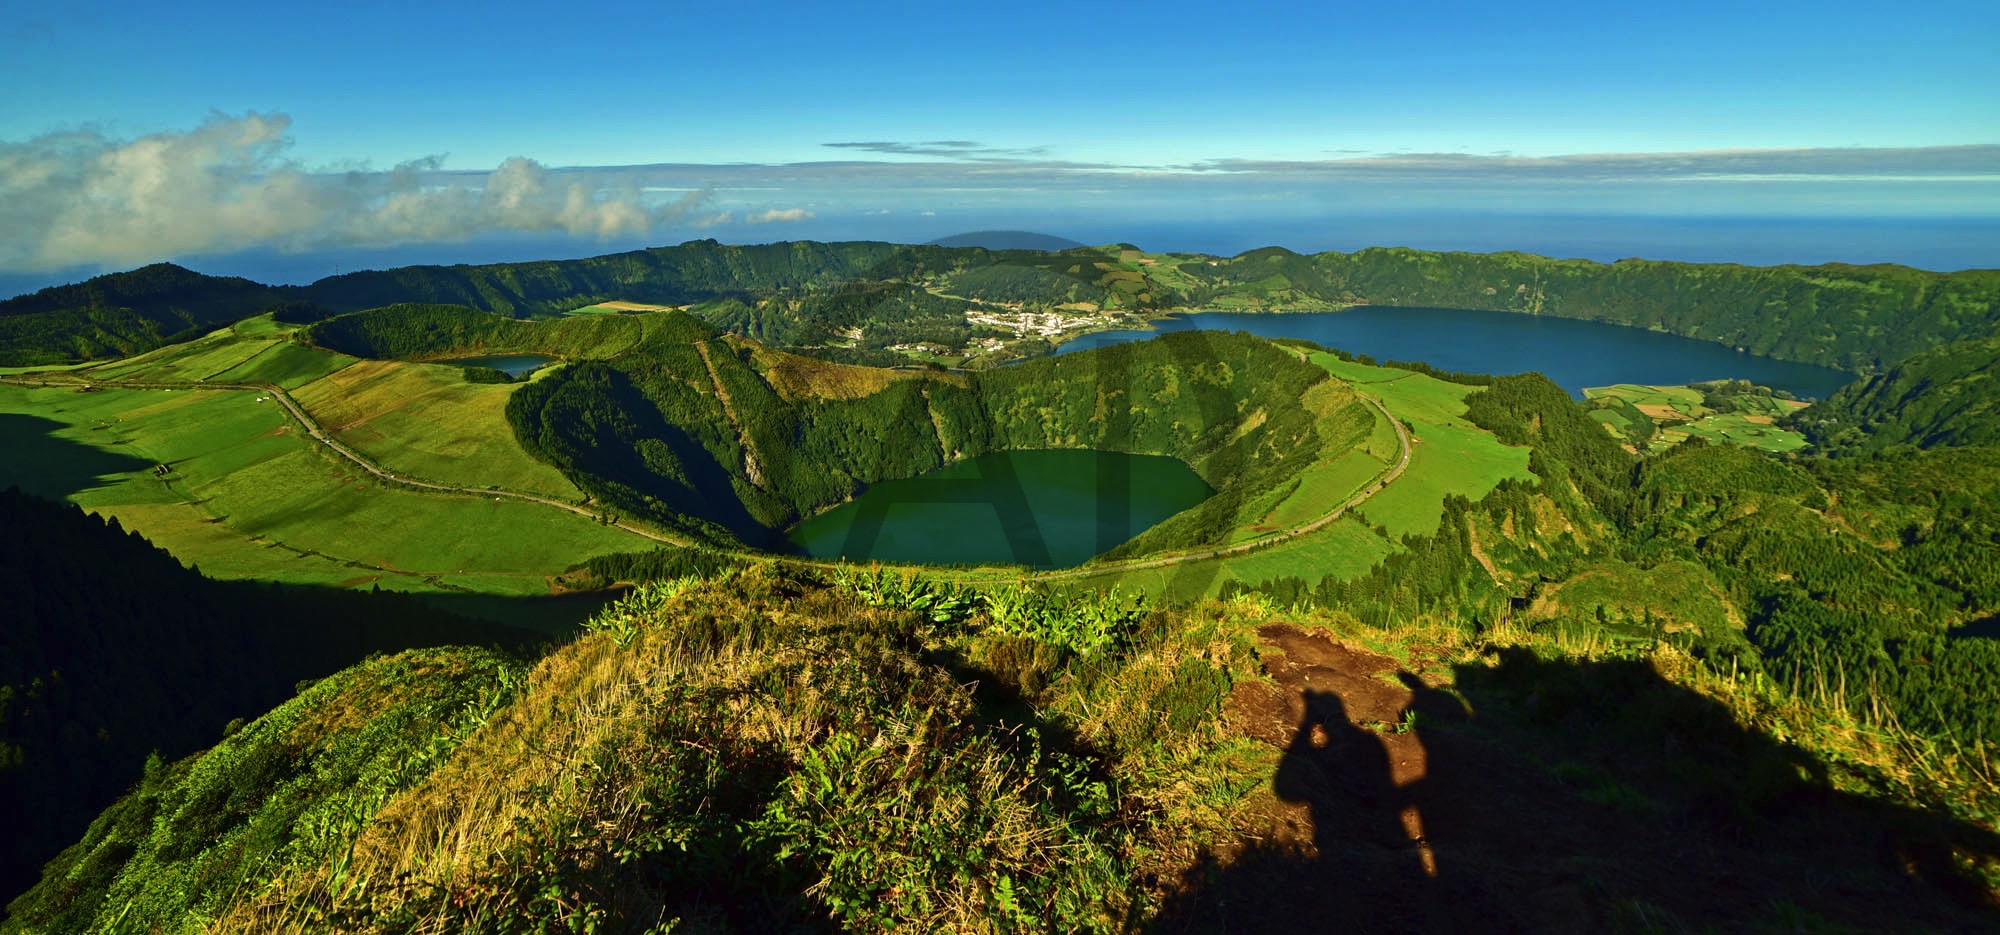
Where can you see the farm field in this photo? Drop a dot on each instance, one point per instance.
(247, 497)
(1452, 456)
(617, 308)
(426, 421)
(1680, 412)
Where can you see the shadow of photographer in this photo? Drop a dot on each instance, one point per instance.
(1583, 796)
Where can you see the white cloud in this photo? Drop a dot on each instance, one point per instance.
(778, 216)
(80, 198)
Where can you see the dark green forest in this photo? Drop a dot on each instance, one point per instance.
(1857, 318)
(1948, 395)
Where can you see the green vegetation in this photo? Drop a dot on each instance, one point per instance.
(1734, 412)
(1594, 617)
(122, 313)
(727, 440)
(1856, 318)
(112, 651)
(762, 751)
(1944, 396)
(857, 785)
(245, 497)
(874, 295)
(427, 421)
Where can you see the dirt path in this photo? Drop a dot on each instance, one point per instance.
(1540, 795)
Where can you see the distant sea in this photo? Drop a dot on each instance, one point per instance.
(1926, 243)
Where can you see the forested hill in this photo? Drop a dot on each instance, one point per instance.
(123, 313)
(1944, 397)
(1859, 318)
(1856, 318)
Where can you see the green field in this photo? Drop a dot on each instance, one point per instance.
(426, 421)
(1681, 412)
(1451, 456)
(247, 497)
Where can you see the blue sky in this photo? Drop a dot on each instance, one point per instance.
(1089, 118)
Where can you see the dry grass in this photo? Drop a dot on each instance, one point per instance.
(797, 377)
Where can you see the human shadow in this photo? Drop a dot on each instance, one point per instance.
(1561, 796)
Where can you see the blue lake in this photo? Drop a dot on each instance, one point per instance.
(1575, 354)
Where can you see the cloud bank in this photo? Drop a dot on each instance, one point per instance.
(79, 198)
(965, 150)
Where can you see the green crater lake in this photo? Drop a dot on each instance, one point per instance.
(1046, 509)
(513, 365)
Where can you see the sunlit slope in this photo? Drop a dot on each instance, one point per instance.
(225, 480)
(426, 420)
(1450, 457)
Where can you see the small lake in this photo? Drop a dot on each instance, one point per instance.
(513, 365)
(1575, 354)
(1047, 509)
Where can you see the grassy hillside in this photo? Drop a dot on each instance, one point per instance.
(1945, 396)
(764, 752)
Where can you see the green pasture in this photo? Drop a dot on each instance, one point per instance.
(427, 421)
(1734, 428)
(200, 359)
(248, 497)
(1449, 455)
(1686, 399)
(286, 364)
(1682, 412)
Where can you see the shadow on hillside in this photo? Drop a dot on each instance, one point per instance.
(116, 661)
(1573, 797)
(35, 459)
(1988, 628)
